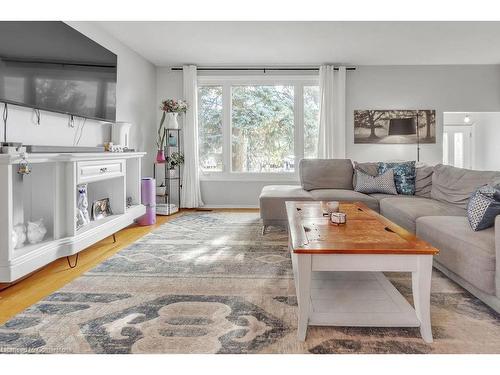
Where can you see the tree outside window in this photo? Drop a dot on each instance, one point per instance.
(262, 129)
(210, 128)
(258, 127)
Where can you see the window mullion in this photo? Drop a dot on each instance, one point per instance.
(299, 123)
(226, 126)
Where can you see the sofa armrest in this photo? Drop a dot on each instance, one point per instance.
(497, 255)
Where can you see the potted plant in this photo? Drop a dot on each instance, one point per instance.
(171, 109)
(175, 160)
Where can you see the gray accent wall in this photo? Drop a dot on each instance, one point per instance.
(445, 88)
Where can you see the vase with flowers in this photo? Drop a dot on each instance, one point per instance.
(170, 108)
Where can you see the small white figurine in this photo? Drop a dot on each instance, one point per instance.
(20, 230)
(82, 213)
(14, 238)
(36, 231)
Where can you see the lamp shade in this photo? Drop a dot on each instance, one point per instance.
(402, 126)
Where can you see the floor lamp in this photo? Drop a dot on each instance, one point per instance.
(405, 126)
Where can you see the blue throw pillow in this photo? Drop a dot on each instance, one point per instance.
(404, 175)
(483, 207)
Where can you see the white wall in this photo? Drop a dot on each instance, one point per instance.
(443, 88)
(486, 137)
(135, 103)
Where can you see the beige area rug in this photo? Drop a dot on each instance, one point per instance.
(211, 283)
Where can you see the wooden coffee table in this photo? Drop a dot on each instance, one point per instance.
(354, 291)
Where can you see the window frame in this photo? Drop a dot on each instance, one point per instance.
(226, 82)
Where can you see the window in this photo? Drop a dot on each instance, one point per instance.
(311, 121)
(210, 128)
(262, 129)
(256, 126)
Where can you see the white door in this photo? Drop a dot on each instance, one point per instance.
(457, 146)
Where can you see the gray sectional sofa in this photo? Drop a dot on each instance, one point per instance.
(436, 213)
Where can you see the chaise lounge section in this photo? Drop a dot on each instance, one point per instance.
(437, 214)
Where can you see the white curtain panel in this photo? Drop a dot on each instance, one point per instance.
(332, 132)
(191, 193)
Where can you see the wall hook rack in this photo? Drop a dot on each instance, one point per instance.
(37, 114)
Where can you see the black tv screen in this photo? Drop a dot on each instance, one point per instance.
(51, 66)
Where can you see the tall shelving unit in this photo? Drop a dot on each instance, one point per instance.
(168, 204)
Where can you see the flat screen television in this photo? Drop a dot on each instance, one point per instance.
(50, 66)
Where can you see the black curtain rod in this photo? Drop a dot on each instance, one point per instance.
(260, 69)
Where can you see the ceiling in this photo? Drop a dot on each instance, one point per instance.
(168, 43)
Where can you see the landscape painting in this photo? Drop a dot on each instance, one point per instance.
(394, 126)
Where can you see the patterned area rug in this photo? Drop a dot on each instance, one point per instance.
(211, 283)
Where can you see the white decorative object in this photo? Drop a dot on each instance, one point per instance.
(338, 218)
(14, 238)
(20, 230)
(36, 231)
(172, 120)
(166, 209)
(82, 212)
(171, 172)
(116, 148)
(329, 207)
(161, 190)
(120, 134)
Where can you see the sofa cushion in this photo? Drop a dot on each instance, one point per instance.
(404, 211)
(469, 254)
(326, 174)
(455, 185)
(273, 197)
(404, 175)
(344, 195)
(383, 183)
(423, 181)
(380, 196)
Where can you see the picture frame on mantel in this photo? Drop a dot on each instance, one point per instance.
(394, 126)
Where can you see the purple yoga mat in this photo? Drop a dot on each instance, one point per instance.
(148, 198)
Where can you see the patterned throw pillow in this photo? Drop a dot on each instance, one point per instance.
(370, 168)
(404, 175)
(483, 207)
(383, 183)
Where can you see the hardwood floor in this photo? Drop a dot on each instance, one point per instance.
(55, 275)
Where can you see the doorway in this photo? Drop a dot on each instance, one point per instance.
(458, 146)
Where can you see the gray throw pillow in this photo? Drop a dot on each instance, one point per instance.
(483, 207)
(383, 183)
(370, 168)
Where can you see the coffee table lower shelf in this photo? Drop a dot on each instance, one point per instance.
(358, 299)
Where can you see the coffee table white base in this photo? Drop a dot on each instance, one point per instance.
(357, 294)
